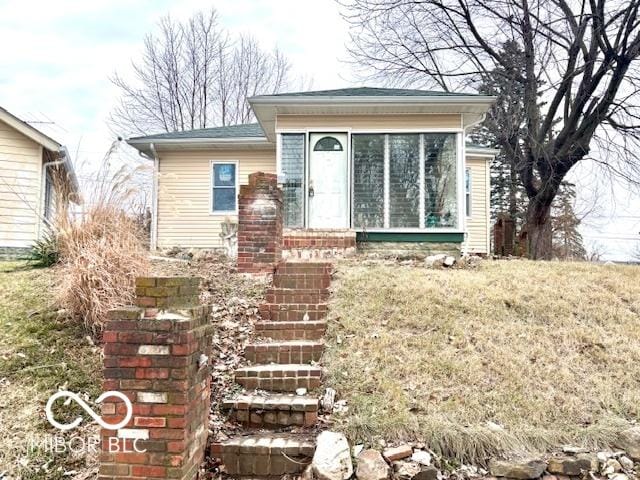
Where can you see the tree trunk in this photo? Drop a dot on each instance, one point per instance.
(539, 234)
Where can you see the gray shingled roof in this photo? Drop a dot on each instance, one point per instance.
(372, 92)
(249, 130)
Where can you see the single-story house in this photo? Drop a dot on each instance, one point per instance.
(28, 197)
(388, 166)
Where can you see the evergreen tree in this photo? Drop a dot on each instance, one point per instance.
(567, 240)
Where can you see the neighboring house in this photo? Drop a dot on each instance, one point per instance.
(28, 199)
(388, 165)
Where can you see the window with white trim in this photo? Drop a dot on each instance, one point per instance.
(418, 189)
(224, 194)
(467, 191)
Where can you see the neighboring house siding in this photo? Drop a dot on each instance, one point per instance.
(477, 223)
(20, 185)
(372, 122)
(184, 194)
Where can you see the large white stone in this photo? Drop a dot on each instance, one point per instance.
(332, 459)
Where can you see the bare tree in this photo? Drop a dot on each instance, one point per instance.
(194, 75)
(579, 77)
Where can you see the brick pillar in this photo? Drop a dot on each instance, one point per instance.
(153, 354)
(259, 224)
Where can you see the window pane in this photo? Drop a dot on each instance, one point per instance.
(224, 199)
(404, 181)
(441, 208)
(224, 175)
(327, 144)
(368, 181)
(292, 164)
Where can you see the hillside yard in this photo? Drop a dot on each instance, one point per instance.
(512, 356)
(40, 351)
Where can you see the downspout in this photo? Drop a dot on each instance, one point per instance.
(465, 244)
(154, 198)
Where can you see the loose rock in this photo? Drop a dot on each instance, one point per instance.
(397, 453)
(626, 462)
(569, 465)
(332, 459)
(371, 466)
(406, 470)
(427, 473)
(629, 441)
(421, 457)
(521, 469)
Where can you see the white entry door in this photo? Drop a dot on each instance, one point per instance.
(328, 181)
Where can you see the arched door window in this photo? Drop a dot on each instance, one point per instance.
(327, 144)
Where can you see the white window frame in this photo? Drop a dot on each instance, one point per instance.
(212, 164)
(460, 167)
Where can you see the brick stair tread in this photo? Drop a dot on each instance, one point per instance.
(278, 325)
(280, 367)
(265, 455)
(298, 306)
(273, 401)
(274, 442)
(286, 343)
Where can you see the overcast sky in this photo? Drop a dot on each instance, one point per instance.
(58, 56)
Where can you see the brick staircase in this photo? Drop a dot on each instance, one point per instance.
(282, 359)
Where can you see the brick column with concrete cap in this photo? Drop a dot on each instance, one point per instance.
(259, 224)
(156, 354)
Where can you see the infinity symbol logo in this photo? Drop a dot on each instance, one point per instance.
(88, 409)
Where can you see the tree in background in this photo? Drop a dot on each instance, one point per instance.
(194, 75)
(579, 78)
(567, 240)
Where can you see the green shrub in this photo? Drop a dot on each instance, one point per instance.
(46, 251)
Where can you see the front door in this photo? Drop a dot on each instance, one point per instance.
(328, 181)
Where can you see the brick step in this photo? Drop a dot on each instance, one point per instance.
(283, 330)
(301, 280)
(261, 411)
(293, 312)
(301, 267)
(265, 455)
(296, 295)
(279, 378)
(296, 351)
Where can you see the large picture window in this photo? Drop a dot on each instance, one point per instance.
(224, 195)
(368, 181)
(292, 171)
(405, 181)
(440, 162)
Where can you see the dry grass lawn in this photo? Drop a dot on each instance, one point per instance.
(514, 356)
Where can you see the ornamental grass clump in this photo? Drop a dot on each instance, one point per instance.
(101, 251)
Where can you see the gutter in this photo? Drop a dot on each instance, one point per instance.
(200, 141)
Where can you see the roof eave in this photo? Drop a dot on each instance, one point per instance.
(144, 144)
(373, 100)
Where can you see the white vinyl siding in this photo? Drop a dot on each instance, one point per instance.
(184, 197)
(478, 220)
(20, 186)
